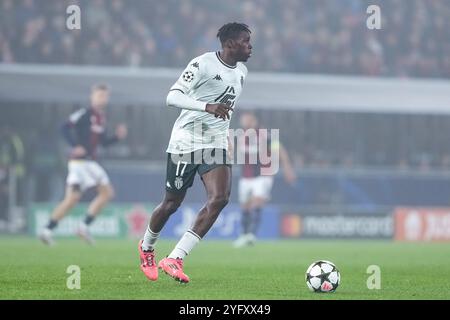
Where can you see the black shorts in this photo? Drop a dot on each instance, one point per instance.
(181, 168)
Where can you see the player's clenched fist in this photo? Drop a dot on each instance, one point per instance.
(121, 131)
(219, 110)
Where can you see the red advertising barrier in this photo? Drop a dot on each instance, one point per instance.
(422, 224)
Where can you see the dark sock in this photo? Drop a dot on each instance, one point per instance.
(88, 220)
(246, 221)
(256, 220)
(52, 224)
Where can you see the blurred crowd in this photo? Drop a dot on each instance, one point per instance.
(310, 36)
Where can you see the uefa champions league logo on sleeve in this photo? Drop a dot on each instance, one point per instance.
(188, 76)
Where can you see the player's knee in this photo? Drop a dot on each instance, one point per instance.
(110, 194)
(71, 200)
(107, 192)
(218, 201)
(170, 206)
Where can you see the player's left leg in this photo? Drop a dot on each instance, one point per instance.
(260, 197)
(105, 193)
(246, 221)
(217, 182)
(179, 177)
(257, 204)
(71, 198)
(246, 186)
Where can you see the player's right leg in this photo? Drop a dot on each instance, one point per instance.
(255, 208)
(158, 219)
(179, 177)
(181, 170)
(246, 221)
(95, 176)
(105, 193)
(71, 198)
(245, 196)
(260, 197)
(180, 173)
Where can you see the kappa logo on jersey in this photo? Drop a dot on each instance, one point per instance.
(218, 78)
(178, 183)
(188, 76)
(196, 65)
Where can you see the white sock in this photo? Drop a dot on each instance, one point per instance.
(47, 232)
(185, 245)
(84, 227)
(150, 238)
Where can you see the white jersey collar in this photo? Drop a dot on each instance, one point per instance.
(223, 62)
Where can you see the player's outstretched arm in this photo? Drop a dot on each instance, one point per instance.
(176, 98)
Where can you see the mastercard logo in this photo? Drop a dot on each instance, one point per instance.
(291, 225)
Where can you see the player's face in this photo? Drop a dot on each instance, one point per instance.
(243, 47)
(99, 99)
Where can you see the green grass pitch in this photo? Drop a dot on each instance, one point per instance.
(269, 270)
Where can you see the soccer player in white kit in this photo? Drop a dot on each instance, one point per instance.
(206, 91)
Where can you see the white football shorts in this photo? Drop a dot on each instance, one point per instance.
(86, 174)
(260, 187)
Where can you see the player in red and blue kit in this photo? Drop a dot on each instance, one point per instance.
(84, 132)
(255, 187)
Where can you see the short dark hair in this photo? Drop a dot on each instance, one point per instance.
(100, 87)
(231, 31)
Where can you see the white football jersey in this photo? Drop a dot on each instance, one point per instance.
(209, 79)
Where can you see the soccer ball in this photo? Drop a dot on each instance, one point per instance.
(322, 276)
